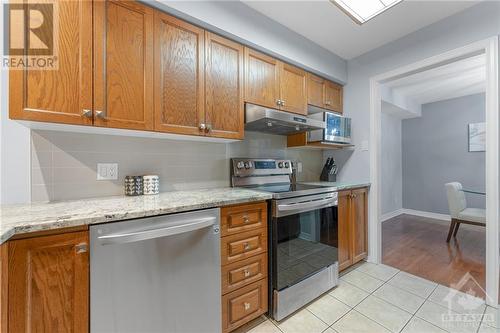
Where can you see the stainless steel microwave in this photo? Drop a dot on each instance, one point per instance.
(337, 130)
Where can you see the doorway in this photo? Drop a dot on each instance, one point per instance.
(489, 50)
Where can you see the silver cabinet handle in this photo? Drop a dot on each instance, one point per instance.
(208, 128)
(247, 306)
(100, 114)
(202, 127)
(246, 273)
(246, 219)
(328, 103)
(278, 102)
(87, 113)
(246, 246)
(81, 248)
(157, 233)
(282, 103)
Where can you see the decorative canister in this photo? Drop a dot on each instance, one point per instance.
(133, 185)
(151, 184)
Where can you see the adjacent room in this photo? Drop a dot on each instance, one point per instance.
(433, 174)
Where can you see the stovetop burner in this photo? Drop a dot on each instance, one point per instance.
(271, 176)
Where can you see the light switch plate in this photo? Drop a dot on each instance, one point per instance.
(107, 171)
(299, 167)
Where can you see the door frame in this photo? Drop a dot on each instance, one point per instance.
(488, 47)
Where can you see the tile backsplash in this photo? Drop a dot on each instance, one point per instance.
(64, 164)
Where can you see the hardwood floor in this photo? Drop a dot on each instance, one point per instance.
(418, 246)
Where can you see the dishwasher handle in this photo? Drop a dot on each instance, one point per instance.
(136, 236)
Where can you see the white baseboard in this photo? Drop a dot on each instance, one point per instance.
(430, 215)
(435, 216)
(390, 215)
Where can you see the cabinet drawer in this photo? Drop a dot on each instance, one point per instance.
(243, 305)
(243, 272)
(243, 245)
(241, 218)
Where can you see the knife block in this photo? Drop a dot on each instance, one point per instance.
(328, 177)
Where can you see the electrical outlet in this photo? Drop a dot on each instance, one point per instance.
(107, 171)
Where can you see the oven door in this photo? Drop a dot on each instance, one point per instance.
(304, 238)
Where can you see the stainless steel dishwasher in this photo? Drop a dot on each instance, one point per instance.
(158, 274)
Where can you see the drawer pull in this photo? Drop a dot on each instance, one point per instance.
(246, 219)
(247, 306)
(246, 246)
(246, 273)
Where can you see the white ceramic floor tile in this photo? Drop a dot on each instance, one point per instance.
(265, 327)
(362, 281)
(329, 330)
(384, 313)
(417, 325)
(491, 316)
(400, 298)
(447, 319)
(348, 293)
(414, 284)
(354, 322)
(381, 272)
(302, 322)
(457, 301)
(488, 329)
(328, 309)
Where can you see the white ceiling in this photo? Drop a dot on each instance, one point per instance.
(459, 78)
(325, 24)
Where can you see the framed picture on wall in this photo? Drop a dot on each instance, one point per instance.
(477, 137)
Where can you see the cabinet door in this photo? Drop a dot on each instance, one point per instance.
(315, 91)
(123, 53)
(49, 284)
(224, 113)
(262, 82)
(344, 217)
(333, 96)
(293, 85)
(59, 95)
(179, 76)
(359, 222)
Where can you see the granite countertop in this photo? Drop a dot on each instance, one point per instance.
(339, 186)
(19, 219)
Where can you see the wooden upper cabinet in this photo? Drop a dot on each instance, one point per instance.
(324, 94)
(293, 88)
(344, 218)
(360, 224)
(333, 96)
(315, 90)
(48, 289)
(262, 79)
(178, 76)
(123, 65)
(224, 106)
(59, 95)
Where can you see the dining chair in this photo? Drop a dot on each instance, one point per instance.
(459, 211)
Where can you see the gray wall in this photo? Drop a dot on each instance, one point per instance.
(435, 152)
(392, 170)
(479, 22)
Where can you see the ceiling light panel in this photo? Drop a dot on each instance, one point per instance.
(363, 10)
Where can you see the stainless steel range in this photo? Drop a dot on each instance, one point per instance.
(303, 233)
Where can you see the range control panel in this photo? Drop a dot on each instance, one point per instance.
(245, 167)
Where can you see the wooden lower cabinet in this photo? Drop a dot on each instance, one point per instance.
(243, 305)
(353, 226)
(48, 284)
(244, 264)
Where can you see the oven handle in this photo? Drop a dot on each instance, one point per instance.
(309, 205)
